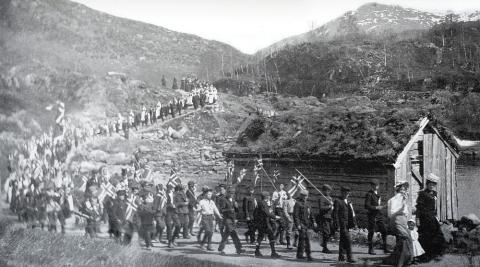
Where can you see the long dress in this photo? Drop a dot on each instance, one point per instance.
(417, 248)
(397, 213)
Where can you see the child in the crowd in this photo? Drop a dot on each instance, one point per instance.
(417, 248)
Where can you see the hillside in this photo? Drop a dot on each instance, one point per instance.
(65, 34)
(369, 19)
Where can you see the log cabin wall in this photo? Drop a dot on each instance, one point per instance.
(440, 160)
(337, 173)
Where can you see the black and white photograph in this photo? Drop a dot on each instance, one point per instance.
(232, 133)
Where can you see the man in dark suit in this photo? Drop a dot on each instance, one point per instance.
(264, 219)
(192, 204)
(344, 218)
(324, 220)
(373, 205)
(226, 206)
(303, 218)
(249, 205)
(181, 204)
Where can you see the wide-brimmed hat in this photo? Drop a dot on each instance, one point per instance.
(326, 187)
(432, 178)
(401, 183)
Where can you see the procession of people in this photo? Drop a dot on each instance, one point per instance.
(41, 193)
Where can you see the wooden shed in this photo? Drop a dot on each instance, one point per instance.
(425, 151)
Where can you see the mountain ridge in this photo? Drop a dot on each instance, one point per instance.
(370, 18)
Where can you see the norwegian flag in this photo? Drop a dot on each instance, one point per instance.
(106, 190)
(174, 180)
(276, 174)
(241, 175)
(256, 170)
(131, 208)
(230, 170)
(297, 182)
(84, 184)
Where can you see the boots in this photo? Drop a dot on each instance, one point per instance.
(385, 249)
(288, 243)
(370, 249)
(295, 240)
(257, 252)
(272, 248)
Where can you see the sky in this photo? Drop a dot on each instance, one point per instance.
(250, 25)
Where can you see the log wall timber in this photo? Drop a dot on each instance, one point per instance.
(356, 175)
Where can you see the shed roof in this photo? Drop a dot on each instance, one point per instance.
(334, 132)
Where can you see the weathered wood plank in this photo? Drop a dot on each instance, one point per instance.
(427, 155)
(454, 189)
(448, 186)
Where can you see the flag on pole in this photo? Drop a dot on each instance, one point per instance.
(276, 174)
(256, 170)
(297, 182)
(84, 184)
(131, 208)
(106, 190)
(241, 175)
(230, 170)
(174, 179)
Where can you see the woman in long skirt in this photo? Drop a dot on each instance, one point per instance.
(398, 213)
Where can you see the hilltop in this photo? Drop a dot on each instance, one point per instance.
(369, 19)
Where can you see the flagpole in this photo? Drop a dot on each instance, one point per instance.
(312, 185)
(270, 179)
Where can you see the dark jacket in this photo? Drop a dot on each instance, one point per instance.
(343, 214)
(302, 215)
(249, 206)
(426, 203)
(157, 204)
(146, 214)
(325, 207)
(226, 207)
(118, 209)
(262, 215)
(181, 202)
(192, 200)
(372, 200)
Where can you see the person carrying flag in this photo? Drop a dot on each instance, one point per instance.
(304, 221)
(171, 217)
(226, 205)
(117, 215)
(159, 206)
(263, 219)
(324, 218)
(249, 205)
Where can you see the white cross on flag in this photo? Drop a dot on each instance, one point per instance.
(131, 208)
(297, 182)
(106, 190)
(241, 175)
(256, 170)
(276, 174)
(174, 180)
(84, 184)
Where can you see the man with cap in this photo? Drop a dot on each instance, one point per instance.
(171, 218)
(263, 219)
(344, 219)
(93, 209)
(324, 219)
(159, 206)
(221, 191)
(146, 214)
(430, 234)
(208, 210)
(249, 205)
(303, 218)
(226, 205)
(192, 203)
(117, 215)
(373, 205)
(203, 195)
(278, 199)
(181, 205)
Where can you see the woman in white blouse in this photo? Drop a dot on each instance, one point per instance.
(398, 214)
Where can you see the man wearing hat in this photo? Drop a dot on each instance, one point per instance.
(171, 218)
(430, 234)
(192, 203)
(159, 206)
(208, 210)
(249, 205)
(303, 218)
(279, 196)
(263, 218)
(203, 195)
(227, 209)
(373, 205)
(344, 219)
(117, 215)
(221, 191)
(181, 205)
(146, 214)
(324, 219)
